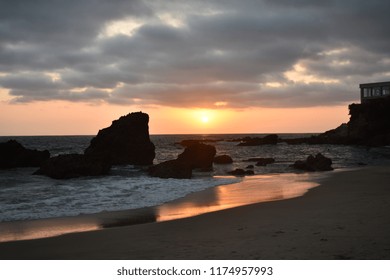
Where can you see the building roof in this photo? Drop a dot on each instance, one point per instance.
(380, 84)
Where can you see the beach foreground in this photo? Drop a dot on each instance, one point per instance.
(346, 217)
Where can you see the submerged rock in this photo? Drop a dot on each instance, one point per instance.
(13, 154)
(317, 163)
(126, 141)
(73, 166)
(223, 159)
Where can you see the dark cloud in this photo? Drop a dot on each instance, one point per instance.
(193, 53)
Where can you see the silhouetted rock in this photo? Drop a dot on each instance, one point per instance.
(368, 125)
(260, 161)
(241, 172)
(126, 141)
(73, 165)
(317, 163)
(271, 139)
(265, 161)
(171, 169)
(223, 159)
(249, 167)
(13, 154)
(198, 156)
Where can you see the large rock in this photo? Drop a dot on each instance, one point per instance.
(198, 156)
(126, 141)
(317, 163)
(13, 154)
(368, 125)
(171, 169)
(73, 165)
(223, 159)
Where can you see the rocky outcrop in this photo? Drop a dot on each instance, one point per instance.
(223, 159)
(198, 156)
(73, 166)
(370, 122)
(368, 125)
(126, 141)
(317, 163)
(241, 172)
(271, 139)
(13, 154)
(171, 169)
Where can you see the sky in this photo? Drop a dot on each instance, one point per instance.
(243, 66)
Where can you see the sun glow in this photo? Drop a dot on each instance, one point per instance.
(205, 116)
(205, 119)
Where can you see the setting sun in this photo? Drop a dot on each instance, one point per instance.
(205, 119)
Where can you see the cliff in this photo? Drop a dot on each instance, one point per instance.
(369, 125)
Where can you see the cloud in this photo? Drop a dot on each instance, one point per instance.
(193, 53)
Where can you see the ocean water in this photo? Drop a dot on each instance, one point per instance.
(24, 196)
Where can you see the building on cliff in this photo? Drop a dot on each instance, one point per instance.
(374, 91)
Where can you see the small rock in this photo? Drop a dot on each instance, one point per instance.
(317, 163)
(223, 159)
(241, 172)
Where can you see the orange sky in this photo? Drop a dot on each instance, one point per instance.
(66, 118)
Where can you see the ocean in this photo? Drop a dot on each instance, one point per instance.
(24, 196)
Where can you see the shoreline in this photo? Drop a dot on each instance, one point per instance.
(250, 190)
(346, 217)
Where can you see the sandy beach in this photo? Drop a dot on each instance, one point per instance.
(346, 217)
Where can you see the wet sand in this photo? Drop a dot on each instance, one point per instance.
(346, 217)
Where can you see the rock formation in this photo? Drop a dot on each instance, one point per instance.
(223, 159)
(317, 163)
(73, 165)
(126, 141)
(197, 156)
(171, 169)
(241, 172)
(271, 139)
(369, 125)
(13, 154)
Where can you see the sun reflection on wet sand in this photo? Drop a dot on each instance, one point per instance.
(24, 230)
(251, 190)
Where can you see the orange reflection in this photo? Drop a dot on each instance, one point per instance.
(25, 230)
(251, 190)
